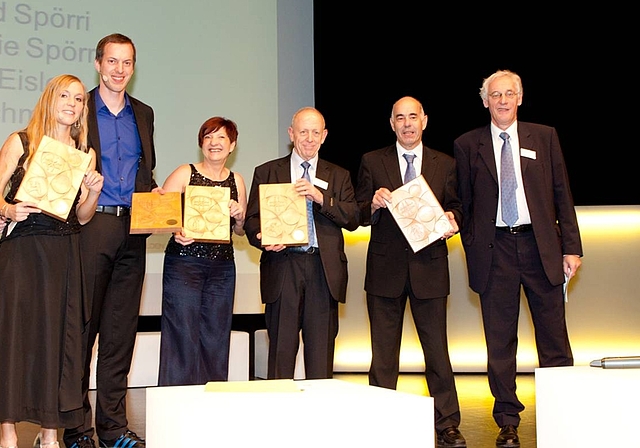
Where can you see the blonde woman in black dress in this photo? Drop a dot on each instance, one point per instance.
(42, 308)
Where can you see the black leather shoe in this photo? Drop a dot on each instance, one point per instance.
(451, 438)
(508, 437)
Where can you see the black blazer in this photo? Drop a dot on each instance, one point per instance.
(338, 211)
(549, 199)
(390, 258)
(145, 122)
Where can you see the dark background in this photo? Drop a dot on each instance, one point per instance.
(575, 68)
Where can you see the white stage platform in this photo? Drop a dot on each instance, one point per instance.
(587, 407)
(287, 414)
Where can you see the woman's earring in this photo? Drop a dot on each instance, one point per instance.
(77, 124)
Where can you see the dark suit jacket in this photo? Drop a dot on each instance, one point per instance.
(145, 121)
(390, 258)
(549, 199)
(338, 211)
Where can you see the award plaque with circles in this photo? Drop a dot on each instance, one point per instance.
(53, 177)
(418, 213)
(283, 215)
(206, 213)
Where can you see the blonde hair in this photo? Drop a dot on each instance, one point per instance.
(43, 120)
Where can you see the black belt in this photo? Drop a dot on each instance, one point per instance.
(117, 210)
(301, 250)
(516, 229)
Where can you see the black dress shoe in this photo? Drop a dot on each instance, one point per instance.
(508, 437)
(451, 438)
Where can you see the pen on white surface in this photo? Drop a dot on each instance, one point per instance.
(620, 362)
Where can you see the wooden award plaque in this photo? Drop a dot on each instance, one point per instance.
(156, 213)
(283, 215)
(418, 213)
(53, 177)
(206, 214)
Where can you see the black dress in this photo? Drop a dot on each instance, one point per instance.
(43, 311)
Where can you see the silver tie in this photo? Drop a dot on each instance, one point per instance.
(508, 183)
(410, 173)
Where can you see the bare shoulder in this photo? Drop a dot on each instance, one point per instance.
(178, 179)
(239, 178)
(12, 147)
(12, 140)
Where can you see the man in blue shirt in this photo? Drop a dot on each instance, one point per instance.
(114, 262)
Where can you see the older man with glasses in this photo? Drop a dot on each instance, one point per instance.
(519, 231)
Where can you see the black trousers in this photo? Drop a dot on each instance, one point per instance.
(306, 306)
(386, 319)
(114, 270)
(517, 265)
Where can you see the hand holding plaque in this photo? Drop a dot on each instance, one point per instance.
(206, 213)
(283, 215)
(152, 212)
(418, 213)
(53, 177)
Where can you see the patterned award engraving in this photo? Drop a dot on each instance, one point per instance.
(156, 213)
(53, 177)
(418, 213)
(283, 215)
(206, 213)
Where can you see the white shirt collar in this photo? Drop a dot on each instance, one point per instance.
(417, 151)
(511, 130)
(297, 170)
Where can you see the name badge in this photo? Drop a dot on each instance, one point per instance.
(528, 153)
(320, 183)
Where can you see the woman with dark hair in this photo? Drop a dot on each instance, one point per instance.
(199, 277)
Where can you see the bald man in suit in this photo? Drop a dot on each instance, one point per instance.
(301, 286)
(395, 272)
(534, 247)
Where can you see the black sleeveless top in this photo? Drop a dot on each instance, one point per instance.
(37, 223)
(212, 251)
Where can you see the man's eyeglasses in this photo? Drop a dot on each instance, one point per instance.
(509, 94)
